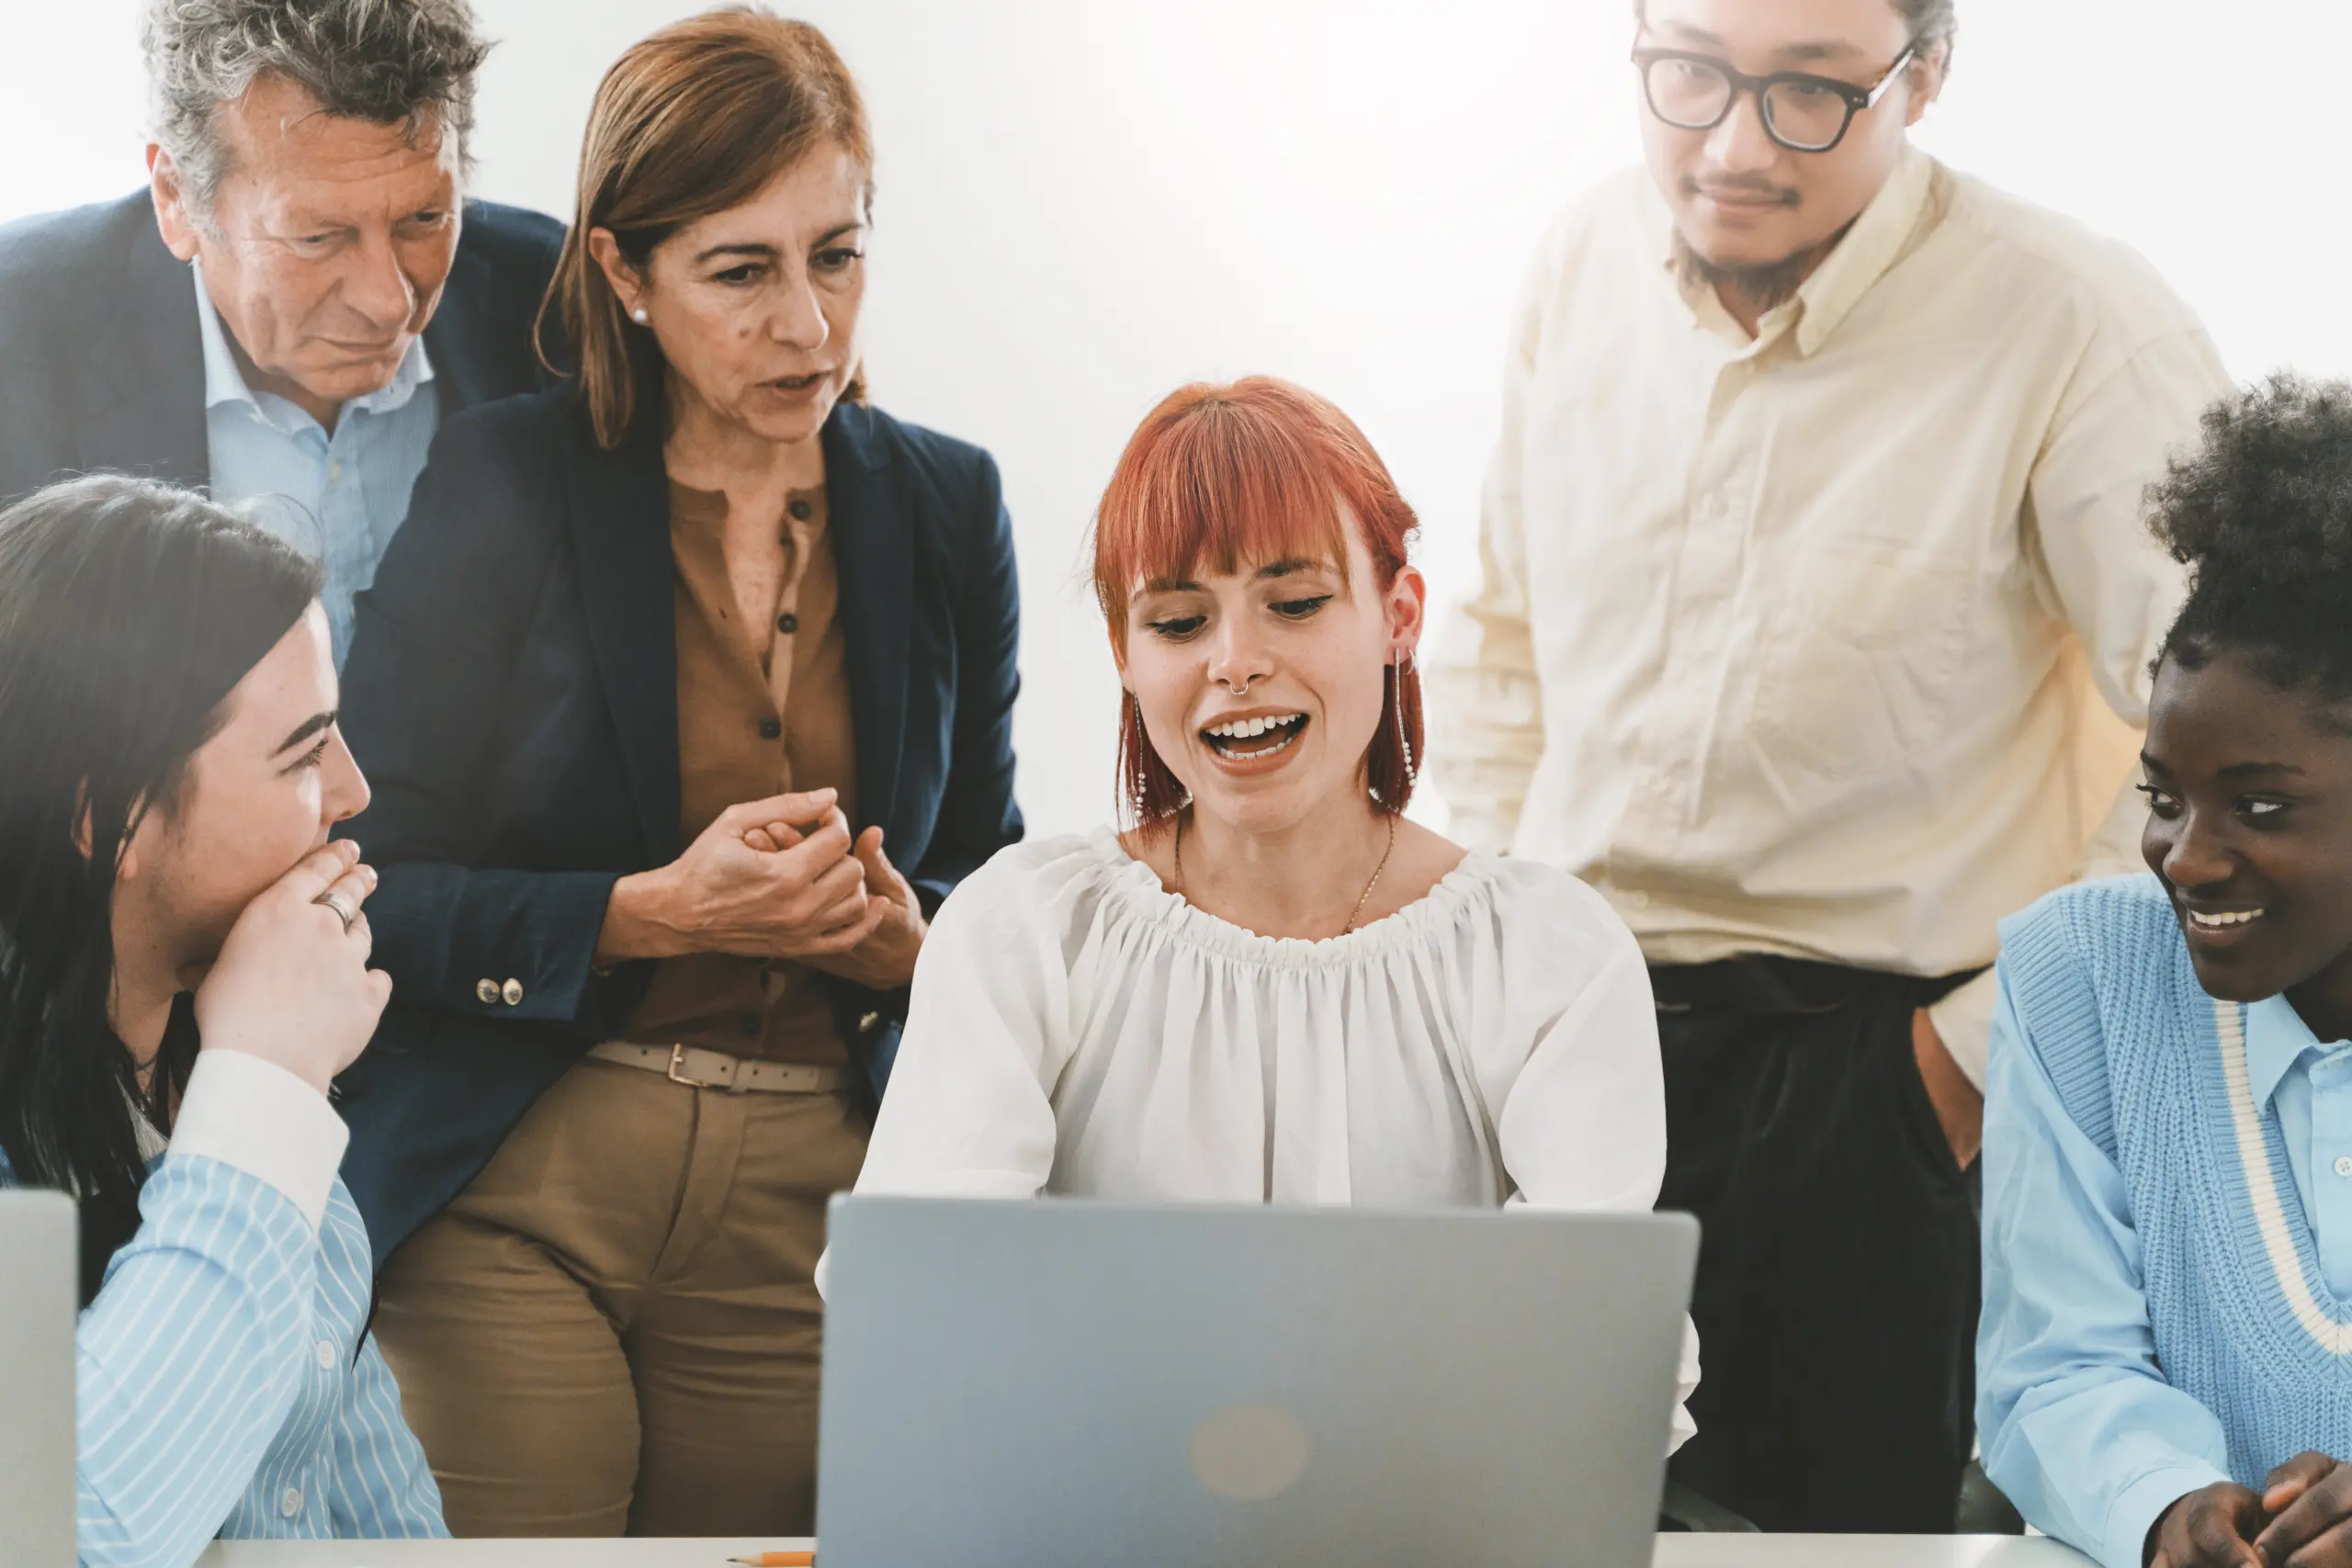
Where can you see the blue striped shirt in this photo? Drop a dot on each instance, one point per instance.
(227, 1386)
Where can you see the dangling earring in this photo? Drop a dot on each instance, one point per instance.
(639, 316)
(1137, 749)
(1404, 743)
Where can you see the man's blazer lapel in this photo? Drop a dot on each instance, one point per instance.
(620, 511)
(873, 533)
(148, 417)
(460, 335)
(481, 338)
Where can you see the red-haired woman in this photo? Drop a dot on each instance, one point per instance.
(1273, 987)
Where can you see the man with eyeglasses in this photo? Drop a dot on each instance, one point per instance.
(1814, 631)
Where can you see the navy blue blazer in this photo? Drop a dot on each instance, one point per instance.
(512, 696)
(102, 367)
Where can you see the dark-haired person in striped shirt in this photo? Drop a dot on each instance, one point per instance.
(183, 971)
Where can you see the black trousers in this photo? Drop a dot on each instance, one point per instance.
(1837, 1284)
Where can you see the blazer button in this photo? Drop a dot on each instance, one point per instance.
(770, 729)
(801, 510)
(487, 991)
(787, 623)
(513, 992)
(870, 1023)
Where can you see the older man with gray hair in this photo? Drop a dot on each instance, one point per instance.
(301, 293)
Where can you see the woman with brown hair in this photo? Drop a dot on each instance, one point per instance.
(686, 691)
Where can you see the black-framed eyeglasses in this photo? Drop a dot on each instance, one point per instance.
(1803, 112)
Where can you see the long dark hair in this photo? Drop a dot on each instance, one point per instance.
(129, 612)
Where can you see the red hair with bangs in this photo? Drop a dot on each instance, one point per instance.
(1246, 473)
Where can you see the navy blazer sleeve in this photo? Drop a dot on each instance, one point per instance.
(426, 708)
(976, 813)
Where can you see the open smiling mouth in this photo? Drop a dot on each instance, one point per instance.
(2223, 919)
(1247, 739)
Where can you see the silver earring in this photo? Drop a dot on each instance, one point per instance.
(1404, 743)
(639, 316)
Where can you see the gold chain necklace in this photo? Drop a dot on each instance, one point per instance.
(1361, 898)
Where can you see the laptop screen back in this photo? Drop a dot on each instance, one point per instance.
(37, 1316)
(1047, 1384)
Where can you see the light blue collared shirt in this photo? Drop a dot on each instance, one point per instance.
(2309, 1086)
(226, 1384)
(337, 498)
(2079, 1426)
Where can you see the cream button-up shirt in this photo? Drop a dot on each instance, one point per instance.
(1833, 643)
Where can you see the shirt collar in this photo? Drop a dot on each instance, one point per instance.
(152, 1144)
(224, 382)
(1858, 261)
(1869, 248)
(2275, 1039)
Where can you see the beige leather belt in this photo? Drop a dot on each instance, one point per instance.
(698, 1068)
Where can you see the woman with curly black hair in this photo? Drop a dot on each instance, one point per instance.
(2165, 1354)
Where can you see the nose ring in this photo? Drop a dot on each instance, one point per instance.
(1241, 690)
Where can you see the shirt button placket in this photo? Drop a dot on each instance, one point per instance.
(2329, 1081)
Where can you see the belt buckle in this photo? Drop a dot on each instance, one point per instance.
(678, 1059)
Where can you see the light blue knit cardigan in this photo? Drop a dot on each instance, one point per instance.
(2154, 1072)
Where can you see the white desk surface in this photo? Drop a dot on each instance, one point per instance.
(1673, 1552)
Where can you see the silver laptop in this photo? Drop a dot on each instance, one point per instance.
(38, 1277)
(1077, 1386)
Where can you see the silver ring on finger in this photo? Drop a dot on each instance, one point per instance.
(344, 910)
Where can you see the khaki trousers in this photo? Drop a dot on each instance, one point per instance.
(616, 1328)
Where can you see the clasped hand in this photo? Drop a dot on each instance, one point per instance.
(776, 878)
(2302, 1518)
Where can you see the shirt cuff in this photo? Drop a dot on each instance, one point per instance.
(2138, 1505)
(256, 1117)
(1963, 1022)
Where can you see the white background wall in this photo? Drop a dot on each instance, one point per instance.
(1086, 202)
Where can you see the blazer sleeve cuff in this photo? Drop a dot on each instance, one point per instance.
(529, 955)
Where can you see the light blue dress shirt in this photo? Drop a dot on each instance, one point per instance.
(225, 1379)
(2309, 1085)
(338, 498)
(2094, 1443)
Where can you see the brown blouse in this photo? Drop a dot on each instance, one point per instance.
(762, 710)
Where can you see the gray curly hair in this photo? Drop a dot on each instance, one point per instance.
(408, 62)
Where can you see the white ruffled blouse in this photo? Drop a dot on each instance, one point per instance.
(1077, 1030)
